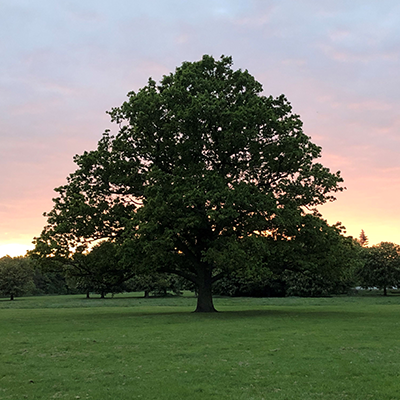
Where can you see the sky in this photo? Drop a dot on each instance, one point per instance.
(65, 63)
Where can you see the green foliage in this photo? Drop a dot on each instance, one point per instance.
(319, 260)
(16, 276)
(100, 270)
(158, 284)
(261, 283)
(381, 266)
(307, 284)
(203, 171)
(48, 282)
(316, 260)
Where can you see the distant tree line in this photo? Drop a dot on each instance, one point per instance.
(24, 276)
(319, 260)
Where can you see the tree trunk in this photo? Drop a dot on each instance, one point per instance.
(385, 291)
(88, 295)
(12, 296)
(146, 294)
(204, 291)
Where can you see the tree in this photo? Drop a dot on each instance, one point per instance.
(203, 169)
(363, 239)
(99, 271)
(16, 276)
(382, 267)
(49, 282)
(319, 259)
(316, 260)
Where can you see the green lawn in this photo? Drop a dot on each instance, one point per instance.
(67, 347)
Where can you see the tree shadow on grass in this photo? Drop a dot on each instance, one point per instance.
(295, 313)
(182, 309)
(181, 316)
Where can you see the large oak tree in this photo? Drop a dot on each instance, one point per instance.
(204, 168)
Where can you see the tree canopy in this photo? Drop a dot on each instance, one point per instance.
(318, 260)
(16, 276)
(381, 268)
(203, 170)
(98, 271)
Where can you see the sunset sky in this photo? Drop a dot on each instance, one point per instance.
(64, 63)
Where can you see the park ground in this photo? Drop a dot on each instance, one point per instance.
(127, 347)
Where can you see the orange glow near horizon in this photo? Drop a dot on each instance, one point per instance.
(376, 231)
(379, 225)
(14, 249)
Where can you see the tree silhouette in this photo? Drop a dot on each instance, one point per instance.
(363, 239)
(203, 168)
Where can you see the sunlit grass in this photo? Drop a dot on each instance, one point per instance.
(129, 347)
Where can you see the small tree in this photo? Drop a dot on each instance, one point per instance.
(363, 239)
(99, 271)
(16, 276)
(316, 260)
(382, 267)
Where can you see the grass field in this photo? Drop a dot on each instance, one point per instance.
(67, 347)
